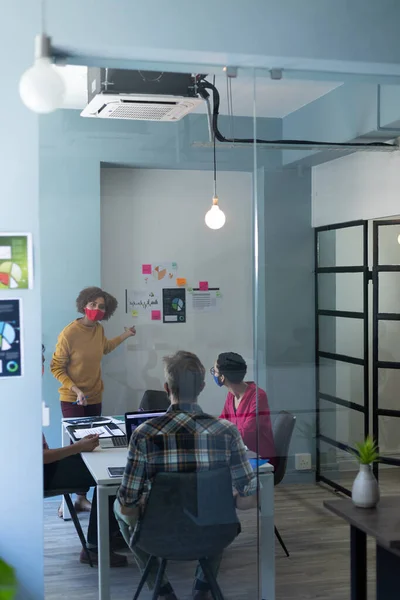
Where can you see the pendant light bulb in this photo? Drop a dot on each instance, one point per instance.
(215, 217)
(41, 87)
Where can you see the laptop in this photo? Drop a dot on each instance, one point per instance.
(135, 418)
(111, 436)
(132, 421)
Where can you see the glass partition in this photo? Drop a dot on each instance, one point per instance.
(284, 332)
(131, 191)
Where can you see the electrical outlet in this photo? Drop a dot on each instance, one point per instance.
(303, 462)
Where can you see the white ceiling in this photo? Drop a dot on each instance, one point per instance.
(273, 98)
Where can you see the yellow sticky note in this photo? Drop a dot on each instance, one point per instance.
(181, 281)
(135, 313)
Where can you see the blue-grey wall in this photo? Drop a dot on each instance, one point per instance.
(21, 498)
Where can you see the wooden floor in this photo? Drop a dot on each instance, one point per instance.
(318, 542)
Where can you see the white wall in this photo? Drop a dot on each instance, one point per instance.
(152, 215)
(360, 186)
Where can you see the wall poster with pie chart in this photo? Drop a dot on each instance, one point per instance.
(16, 263)
(11, 354)
(174, 305)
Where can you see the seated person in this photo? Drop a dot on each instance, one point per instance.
(63, 468)
(154, 448)
(240, 404)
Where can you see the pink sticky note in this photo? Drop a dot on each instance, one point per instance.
(156, 315)
(146, 269)
(203, 285)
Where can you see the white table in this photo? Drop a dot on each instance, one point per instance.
(97, 463)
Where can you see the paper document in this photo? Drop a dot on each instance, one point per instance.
(100, 431)
(142, 303)
(205, 302)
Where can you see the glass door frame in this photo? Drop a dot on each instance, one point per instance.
(376, 363)
(364, 362)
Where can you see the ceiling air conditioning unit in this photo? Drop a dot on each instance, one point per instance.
(140, 95)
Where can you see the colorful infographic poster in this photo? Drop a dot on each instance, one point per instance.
(16, 263)
(11, 355)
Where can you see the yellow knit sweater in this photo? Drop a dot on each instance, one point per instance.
(77, 360)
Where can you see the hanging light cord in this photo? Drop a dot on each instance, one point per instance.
(215, 158)
(43, 16)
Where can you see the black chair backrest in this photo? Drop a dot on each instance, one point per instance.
(189, 515)
(282, 430)
(154, 400)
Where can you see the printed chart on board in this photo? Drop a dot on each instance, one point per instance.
(174, 305)
(16, 264)
(10, 338)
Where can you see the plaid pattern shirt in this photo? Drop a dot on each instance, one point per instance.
(185, 439)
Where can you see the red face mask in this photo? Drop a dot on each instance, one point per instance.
(94, 314)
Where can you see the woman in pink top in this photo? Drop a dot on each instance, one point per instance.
(241, 404)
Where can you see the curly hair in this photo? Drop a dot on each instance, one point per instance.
(90, 294)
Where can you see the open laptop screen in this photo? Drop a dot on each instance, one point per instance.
(134, 419)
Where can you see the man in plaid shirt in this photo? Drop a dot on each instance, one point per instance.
(184, 439)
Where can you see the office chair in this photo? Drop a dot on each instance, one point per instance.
(282, 432)
(74, 516)
(154, 400)
(188, 517)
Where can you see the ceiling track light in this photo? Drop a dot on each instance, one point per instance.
(41, 87)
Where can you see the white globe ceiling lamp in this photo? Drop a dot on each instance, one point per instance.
(41, 88)
(215, 218)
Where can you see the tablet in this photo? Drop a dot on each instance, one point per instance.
(115, 471)
(258, 462)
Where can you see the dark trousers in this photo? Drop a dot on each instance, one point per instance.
(71, 472)
(73, 411)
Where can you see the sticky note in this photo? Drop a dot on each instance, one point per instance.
(181, 281)
(190, 290)
(203, 285)
(156, 315)
(146, 269)
(218, 294)
(135, 313)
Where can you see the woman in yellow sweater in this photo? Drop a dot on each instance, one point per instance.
(77, 359)
(80, 348)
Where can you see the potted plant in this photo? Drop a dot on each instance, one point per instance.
(8, 581)
(365, 492)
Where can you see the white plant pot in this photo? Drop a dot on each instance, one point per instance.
(365, 492)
